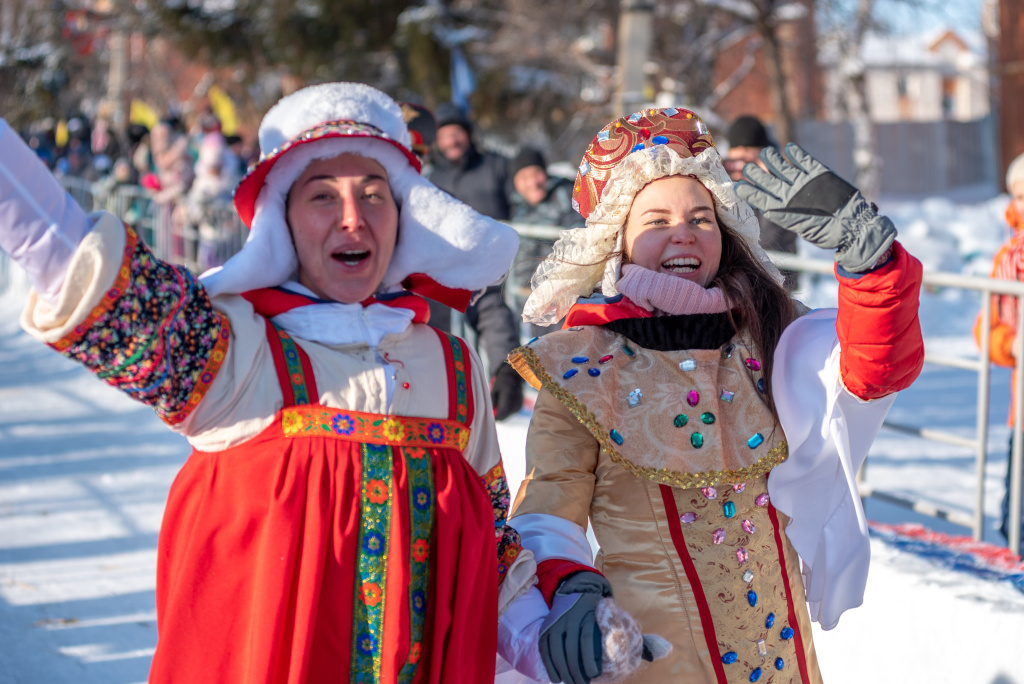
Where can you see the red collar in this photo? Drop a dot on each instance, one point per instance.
(271, 301)
(600, 310)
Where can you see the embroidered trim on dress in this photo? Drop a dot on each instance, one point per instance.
(155, 335)
(528, 364)
(421, 514)
(373, 428)
(293, 366)
(508, 541)
(371, 563)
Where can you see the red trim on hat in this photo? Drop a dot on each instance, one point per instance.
(273, 301)
(599, 314)
(249, 187)
(424, 285)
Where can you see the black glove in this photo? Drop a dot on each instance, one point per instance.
(804, 196)
(506, 392)
(570, 640)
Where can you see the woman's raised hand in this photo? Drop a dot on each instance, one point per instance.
(803, 195)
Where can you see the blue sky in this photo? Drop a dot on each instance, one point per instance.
(957, 14)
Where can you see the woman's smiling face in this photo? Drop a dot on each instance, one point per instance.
(344, 222)
(672, 228)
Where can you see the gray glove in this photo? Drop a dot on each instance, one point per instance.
(570, 641)
(802, 195)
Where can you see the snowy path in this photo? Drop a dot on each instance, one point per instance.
(84, 473)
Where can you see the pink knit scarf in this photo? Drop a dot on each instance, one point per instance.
(662, 293)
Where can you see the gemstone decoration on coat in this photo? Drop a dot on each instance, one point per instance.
(605, 359)
(688, 517)
(742, 556)
(730, 657)
(752, 364)
(693, 398)
(727, 396)
(532, 341)
(709, 493)
(779, 663)
(687, 365)
(659, 140)
(616, 437)
(718, 536)
(769, 621)
(628, 351)
(697, 440)
(760, 385)
(728, 509)
(707, 417)
(762, 648)
(569, 373)
(727, 350)
(786, 633)
(635, 397)
(752, 598)
(762, 499)
(636, 148)
(680, 420)
(593, 372)
(580, 359)
(755, 441)
(748, 577)
(756, 674)
(748, 527)
(739, 486)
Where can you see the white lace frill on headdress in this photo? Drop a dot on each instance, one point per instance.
(586, 259)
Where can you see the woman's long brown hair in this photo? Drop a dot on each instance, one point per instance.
(757, 304)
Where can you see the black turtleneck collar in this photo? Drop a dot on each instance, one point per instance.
(669, 333)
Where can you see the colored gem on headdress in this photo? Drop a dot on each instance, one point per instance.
(697, 440)
(728, 509)
(628, 351)
(645, 133)
(753, 364)
(727, 350)
(739, 487)
(786, 633)
(575, 204)
(727, 396)
(755, 441)
(569, 373)
(659, 140)
(635, 397)
(580, 359)
(692, 398)
(689, 115)
(680, 420)
(760, 385)
(742, 556)
(762, 499)
(688, 517)
(616, 437)
(670, 111)
(585, 168)
(636, 148)
(730, 657)
(769, 621)
(604, 135)
(762, 647)
(779, 663)
(605, 359)
(748, 577)
(687, 365)
(755, 675)
(752, 598)
(710, 493)
(748, 527)
(718, 536)
(593, 372)
(702, 128)
(707, 417)
(634, 117)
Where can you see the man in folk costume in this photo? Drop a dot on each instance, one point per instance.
(342, 515)
(707, 431)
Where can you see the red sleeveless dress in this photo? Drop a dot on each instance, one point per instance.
(334, 546)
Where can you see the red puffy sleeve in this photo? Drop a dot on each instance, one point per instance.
(878, 326)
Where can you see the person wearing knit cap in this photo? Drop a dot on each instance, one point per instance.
(342, 515)
(683, 376)
(1004, 347)
(747, 137)
(480, 179)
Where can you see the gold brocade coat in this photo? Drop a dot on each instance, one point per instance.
(667, 454)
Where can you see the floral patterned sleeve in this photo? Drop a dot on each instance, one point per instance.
(506, 538)
(154, 335)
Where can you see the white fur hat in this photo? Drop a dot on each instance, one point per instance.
(441, 241)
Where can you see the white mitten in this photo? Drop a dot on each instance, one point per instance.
(624, 646)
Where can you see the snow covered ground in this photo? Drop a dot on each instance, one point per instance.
(84, 473)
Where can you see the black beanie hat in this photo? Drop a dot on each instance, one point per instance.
(526, 157)
(748, 131)
(449, 113)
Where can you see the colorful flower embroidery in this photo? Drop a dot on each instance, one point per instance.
(343, 424)
(367, 644)
(420, 549)
(374, 429)
(419, 601)
(421, 497)
(373, 543)
(154, 336)
(371, 594)
(377, 491)
(415, 652)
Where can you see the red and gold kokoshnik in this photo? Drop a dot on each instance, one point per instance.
(680, 129)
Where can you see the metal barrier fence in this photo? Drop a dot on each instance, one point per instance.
(178, 240)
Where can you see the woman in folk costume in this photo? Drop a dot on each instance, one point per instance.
(342, 516)
(708, 431)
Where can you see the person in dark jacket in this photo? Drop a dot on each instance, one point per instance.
(747, 137)
(480, 179)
